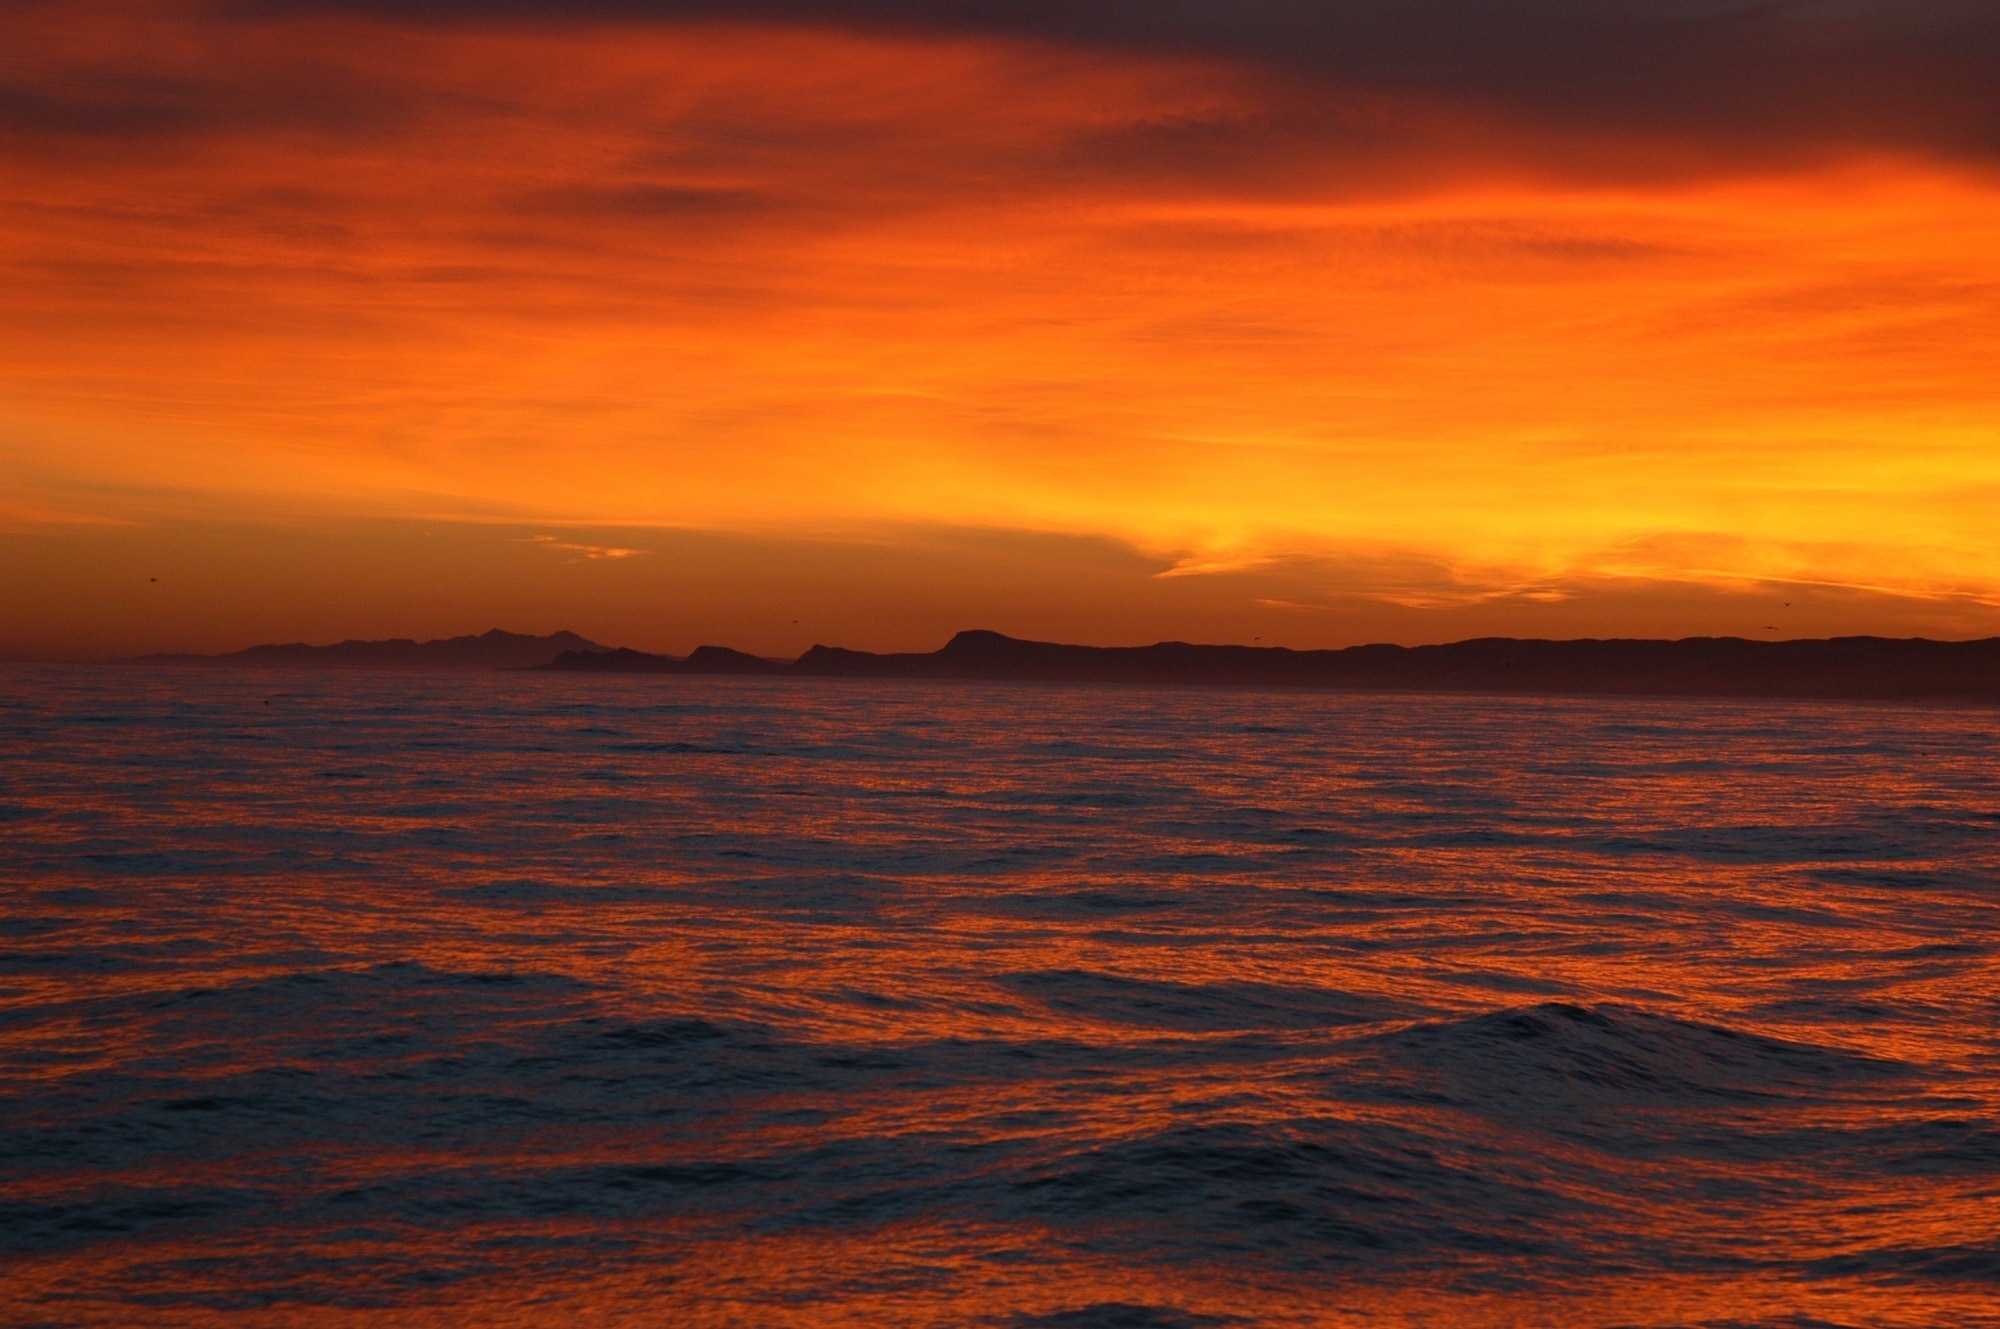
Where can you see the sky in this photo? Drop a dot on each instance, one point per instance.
(863, 321)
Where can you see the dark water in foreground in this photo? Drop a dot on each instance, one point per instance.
(534, 1000)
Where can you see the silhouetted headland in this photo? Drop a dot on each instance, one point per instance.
(704, 660)
(488, 650)
(1843, 668)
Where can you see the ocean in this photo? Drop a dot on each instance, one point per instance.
(525, 999)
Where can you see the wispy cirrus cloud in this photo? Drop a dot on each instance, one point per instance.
(586, 552)
(1717, 78)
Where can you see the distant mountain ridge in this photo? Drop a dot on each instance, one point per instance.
(488, 650)
(703, 660)
(1839, 668)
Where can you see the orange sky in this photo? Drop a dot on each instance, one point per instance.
(668, 329)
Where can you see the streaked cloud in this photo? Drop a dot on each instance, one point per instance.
(1721, 76)
(584, 551)
(1437, 306)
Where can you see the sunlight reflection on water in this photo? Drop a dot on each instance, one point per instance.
(391, 998)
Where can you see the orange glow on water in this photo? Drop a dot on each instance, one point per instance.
(709, 1003)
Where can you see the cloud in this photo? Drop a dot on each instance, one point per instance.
(588, 553)
(1335, 96)
(1064, 271)
(1721, 77)
(648, 202)
(166, 75)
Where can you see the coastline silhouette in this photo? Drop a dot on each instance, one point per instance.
(1847, 668)
(1837, 668)
(493, 649)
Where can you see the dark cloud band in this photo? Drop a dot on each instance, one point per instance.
(1920, 75)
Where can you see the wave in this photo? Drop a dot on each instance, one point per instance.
(1119, 1315)
(1196, 1008)
(1557, 1061)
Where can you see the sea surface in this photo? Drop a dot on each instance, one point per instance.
(400, 999)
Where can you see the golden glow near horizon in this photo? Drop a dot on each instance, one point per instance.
(791, 284)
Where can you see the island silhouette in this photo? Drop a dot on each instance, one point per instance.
(1836, 668)
(1846, 668)
(488, 650)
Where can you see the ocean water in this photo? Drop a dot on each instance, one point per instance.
(382, 999)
